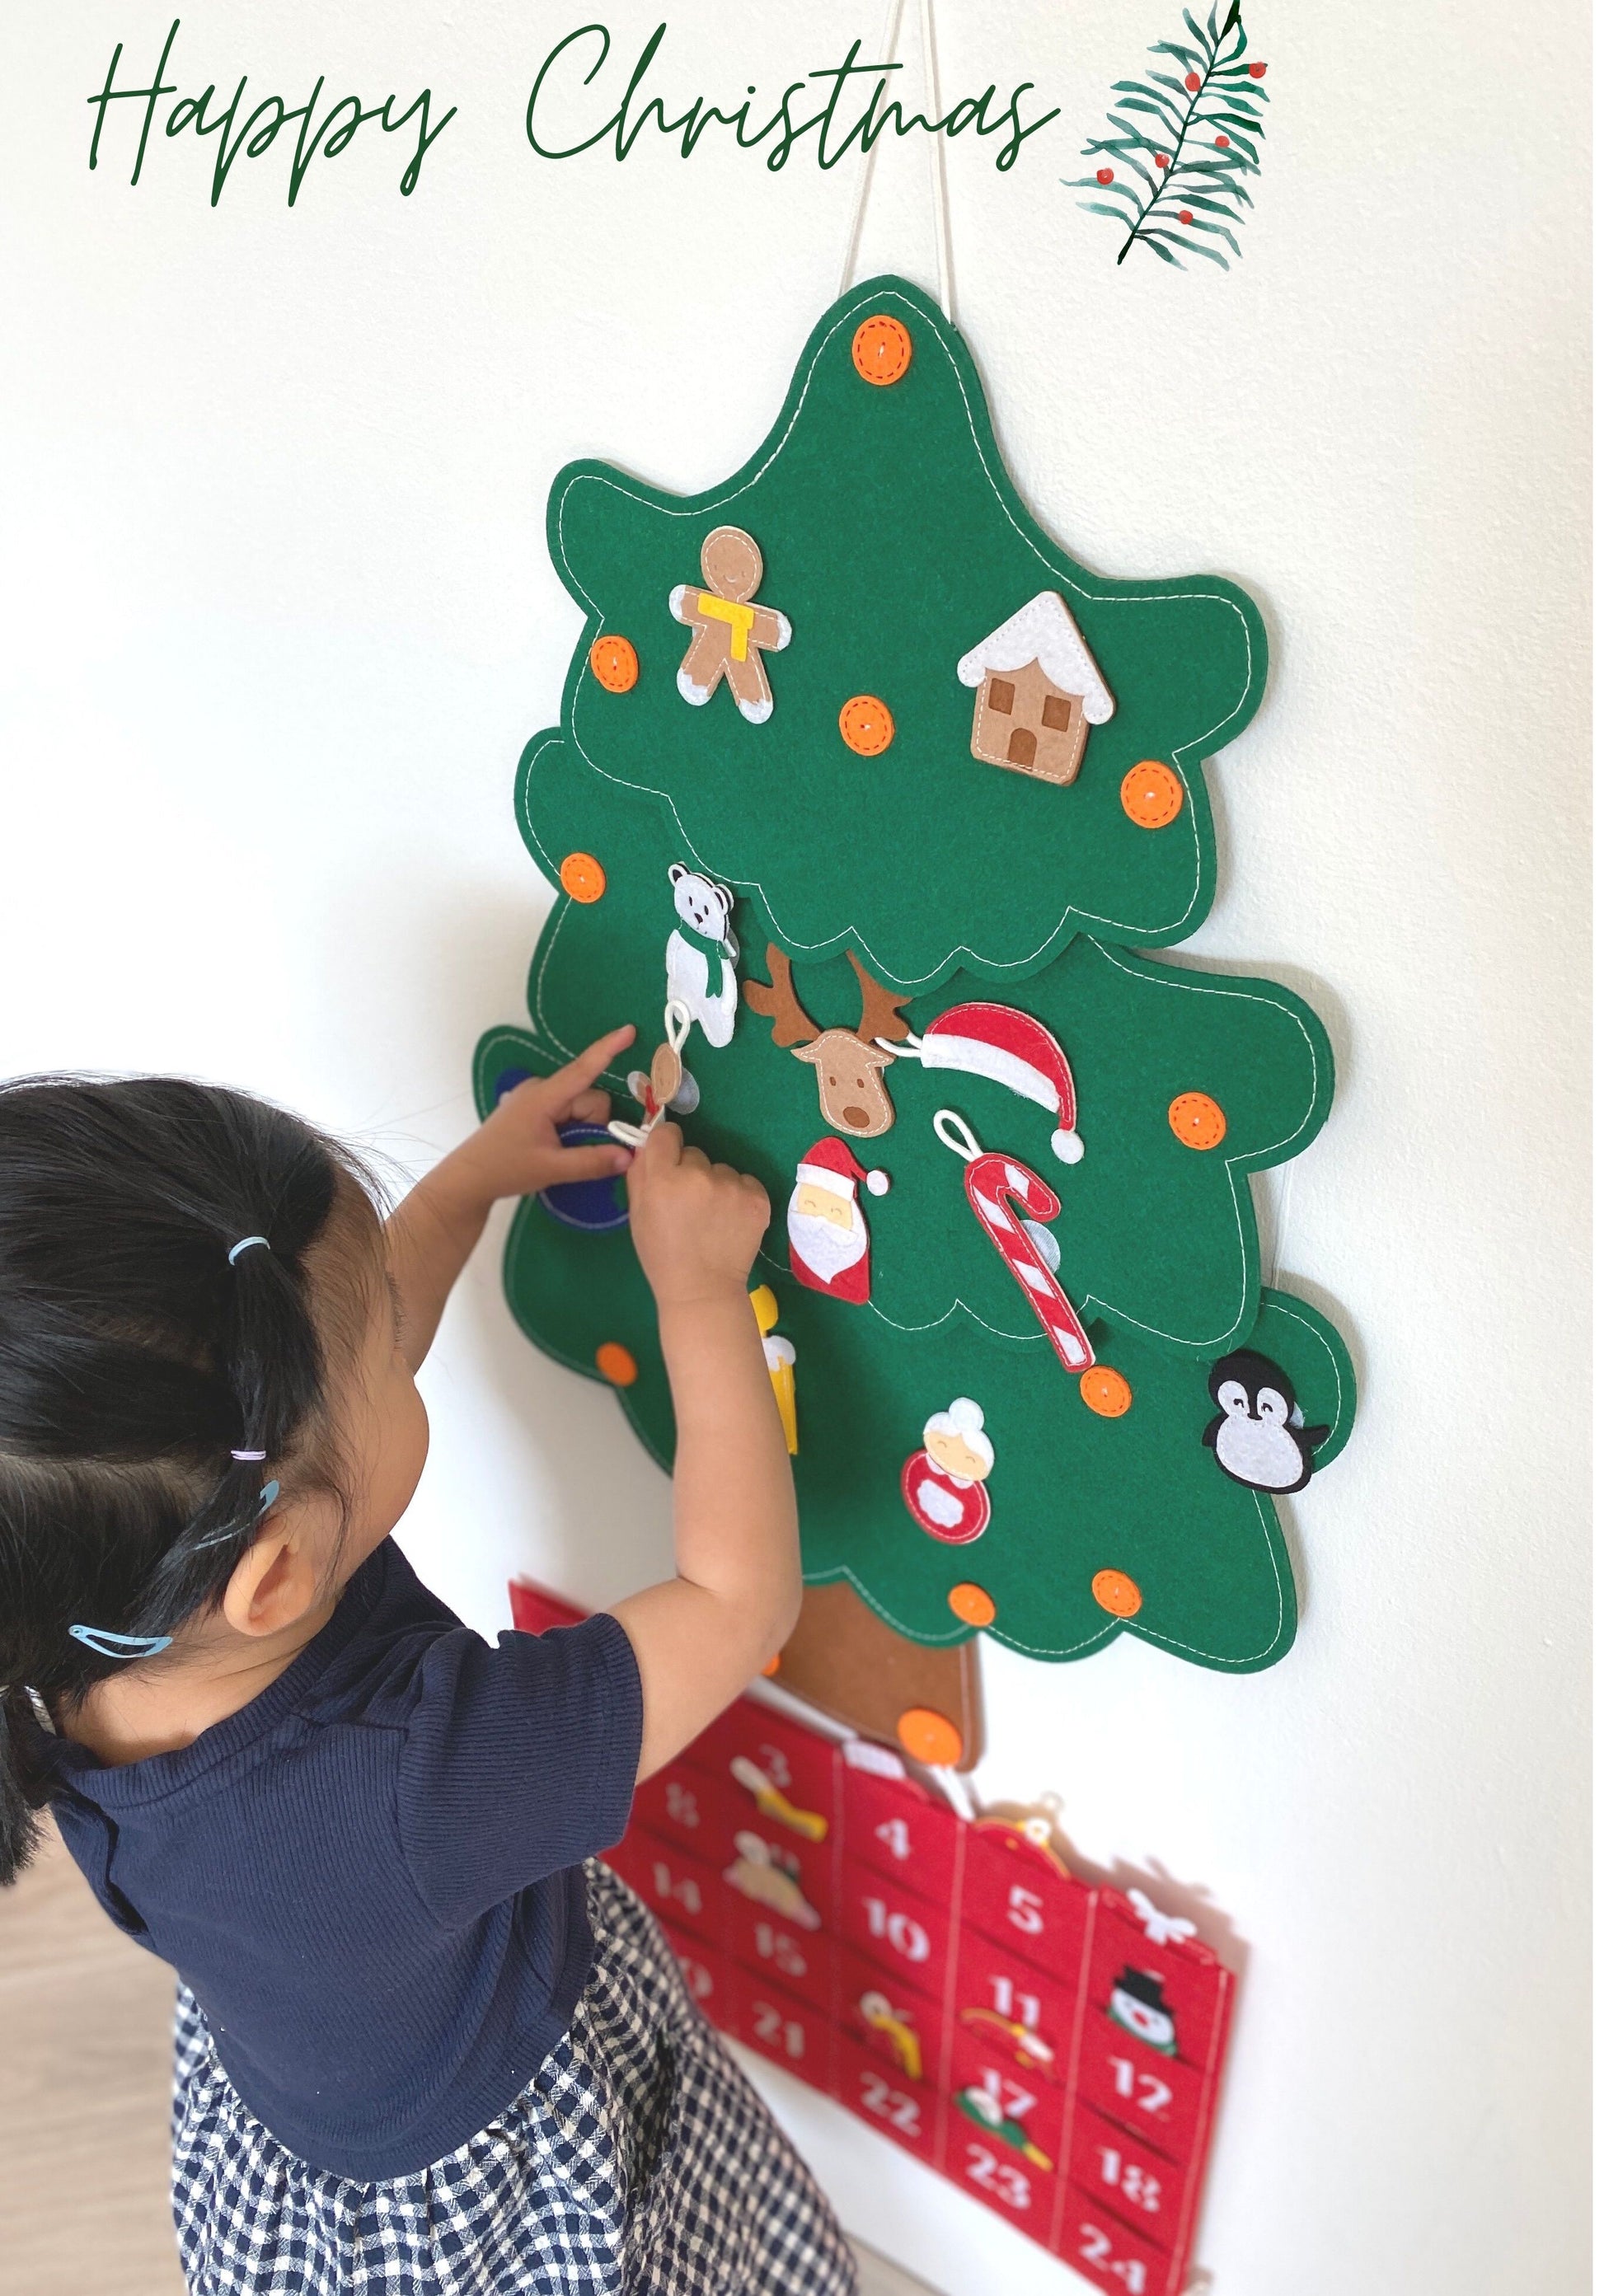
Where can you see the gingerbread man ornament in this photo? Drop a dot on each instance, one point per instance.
(731, 634)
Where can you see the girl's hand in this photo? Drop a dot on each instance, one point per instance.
(516, 1151)
(696, 1225)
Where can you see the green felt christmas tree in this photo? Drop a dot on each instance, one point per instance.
(890, 794)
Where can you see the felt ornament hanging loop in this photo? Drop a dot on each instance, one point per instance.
(995, 1184)
(676, 1029)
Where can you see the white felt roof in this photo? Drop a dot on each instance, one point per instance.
(1043, 631)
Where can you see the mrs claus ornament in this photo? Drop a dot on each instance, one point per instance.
(944, 1485)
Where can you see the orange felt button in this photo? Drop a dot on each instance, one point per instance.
(1105, 1391)
(615, 664)
(1196, 1120)
(866, 724)
(971, 1603)
(1152, 795)
(582, 877)
(881, 350)
(1114, 1592)
(616, 1364)
(929, 1737)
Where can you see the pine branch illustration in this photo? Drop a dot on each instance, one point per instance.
(1174, 173)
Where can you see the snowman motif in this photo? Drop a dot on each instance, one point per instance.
(1137, 2003)
(1258, 1437)
(944, 1485)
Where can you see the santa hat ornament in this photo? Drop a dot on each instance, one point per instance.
(831, 1164)
(1014, 1051)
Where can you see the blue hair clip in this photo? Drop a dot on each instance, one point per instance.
(106, 1645)
(245, 1244)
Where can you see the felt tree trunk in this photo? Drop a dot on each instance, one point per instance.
(1053, 1401)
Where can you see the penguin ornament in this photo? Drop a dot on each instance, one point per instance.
(1258, 1436)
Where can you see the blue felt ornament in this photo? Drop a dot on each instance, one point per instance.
(598, 1206)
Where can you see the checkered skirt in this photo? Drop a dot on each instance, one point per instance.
(638, 2161)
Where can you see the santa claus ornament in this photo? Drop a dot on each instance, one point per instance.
(825, 1223)
(930, 819)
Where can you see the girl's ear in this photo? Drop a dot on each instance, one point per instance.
(279, 1578)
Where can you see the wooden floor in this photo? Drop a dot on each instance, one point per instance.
(84, 2028)
(86, 2020)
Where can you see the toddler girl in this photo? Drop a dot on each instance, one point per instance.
(424, 2043)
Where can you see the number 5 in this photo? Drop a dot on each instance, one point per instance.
(1024, 1910)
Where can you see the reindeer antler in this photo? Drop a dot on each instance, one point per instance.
(882, 1014)
(778, 1000)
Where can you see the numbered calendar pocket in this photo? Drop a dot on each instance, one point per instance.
(678, 1889)
(801, 1961)
(897, 2023)
(895, 1930)
(1001, 2101)
(1110, 2255)
(709, 1978)
(786, 2031)
(1013, 1894)
(690, 1808)
(1023, 2013)
(1160, 2100)
(909, 2111)
(894, 1826)
(1169, 1999)
(1130, 2178)
(990, 2170)
(785, 1772)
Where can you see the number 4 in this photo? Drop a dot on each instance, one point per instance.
(894, 1835)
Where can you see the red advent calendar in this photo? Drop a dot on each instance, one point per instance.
(1048, 2045)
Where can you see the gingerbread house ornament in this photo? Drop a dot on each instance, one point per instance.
(1037, 689)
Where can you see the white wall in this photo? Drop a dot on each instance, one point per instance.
(276, 617)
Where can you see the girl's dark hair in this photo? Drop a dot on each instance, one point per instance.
(135, 1359)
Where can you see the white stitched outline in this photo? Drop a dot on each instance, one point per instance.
(1279, 1307)
(1265, 1507)
(1150, 973)
(1093, 1304)
(560, 1355)
(1187, 981)
(560, 912)
(1195, 747)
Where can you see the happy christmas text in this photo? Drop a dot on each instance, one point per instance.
(580, 100)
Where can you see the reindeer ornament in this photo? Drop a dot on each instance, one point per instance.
(853, 1097)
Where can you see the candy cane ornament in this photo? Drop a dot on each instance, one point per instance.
(995, 1183)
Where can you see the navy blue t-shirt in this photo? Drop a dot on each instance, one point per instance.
(369, 1876)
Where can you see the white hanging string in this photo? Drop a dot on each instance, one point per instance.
(1283, 1224)
(939, 215)
(888, 56)
(940, 219)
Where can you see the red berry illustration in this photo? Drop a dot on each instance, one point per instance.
(1151, 196)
